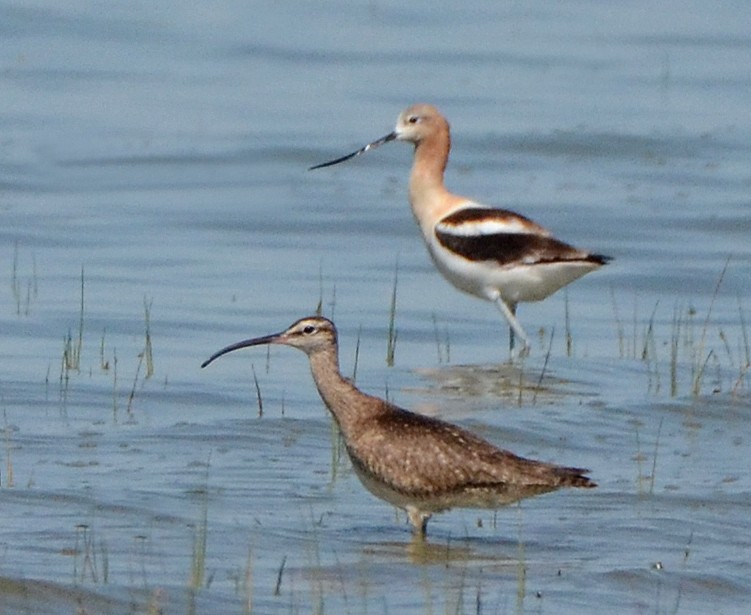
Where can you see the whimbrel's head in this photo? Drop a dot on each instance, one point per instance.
(310, 334)
(413, 125)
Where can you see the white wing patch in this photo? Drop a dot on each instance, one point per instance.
(475, 220)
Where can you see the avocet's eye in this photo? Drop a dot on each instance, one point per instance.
(413, 119)
(309, 329)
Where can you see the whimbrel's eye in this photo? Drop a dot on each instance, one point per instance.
(309, 329)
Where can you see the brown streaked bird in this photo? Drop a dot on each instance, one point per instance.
(494, 254)
(418, 463)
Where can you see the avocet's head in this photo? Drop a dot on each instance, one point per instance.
(311, 334)
(415, 124)
(418, 122)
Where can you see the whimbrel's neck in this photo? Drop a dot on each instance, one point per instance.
(428, 196)
(348, 404)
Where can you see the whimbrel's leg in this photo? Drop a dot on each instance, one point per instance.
(419, 520)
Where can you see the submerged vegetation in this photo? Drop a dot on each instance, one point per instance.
(688, 353)
(392, 332)
(107, 362)
(24, 289)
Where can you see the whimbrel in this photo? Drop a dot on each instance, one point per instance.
(420, 464)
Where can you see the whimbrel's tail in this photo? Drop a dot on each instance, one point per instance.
(574, 477)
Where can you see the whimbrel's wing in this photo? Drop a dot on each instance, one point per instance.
(421, 455)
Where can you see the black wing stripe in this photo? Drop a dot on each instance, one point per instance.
(511, 248)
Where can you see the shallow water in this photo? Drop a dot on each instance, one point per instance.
(155, 156)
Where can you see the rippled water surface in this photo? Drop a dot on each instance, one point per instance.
(155, 206)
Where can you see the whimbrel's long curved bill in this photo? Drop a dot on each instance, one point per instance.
(256, 341)
(389, 137)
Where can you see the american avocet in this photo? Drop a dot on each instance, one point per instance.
(494, 254)
(420, 464)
